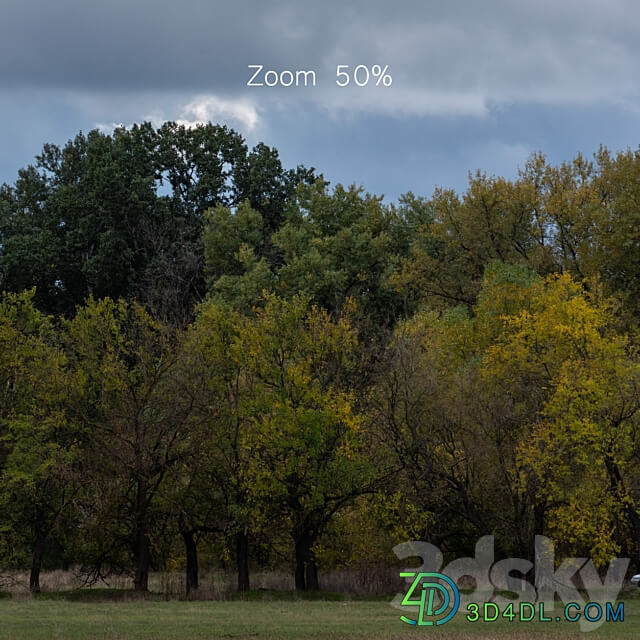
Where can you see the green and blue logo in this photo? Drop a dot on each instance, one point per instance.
(436, 596)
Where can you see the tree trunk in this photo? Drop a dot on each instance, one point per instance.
(539, 512)
(312, 574)
(192, 560)
(142, 556)
(36, 561)
(615, 478)
(141, 544)
(302, 550)
(242, 560)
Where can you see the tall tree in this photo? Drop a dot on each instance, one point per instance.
(308, 444)
(581, 449)
(215, 492)
(122, 215)
(128, 397)
(40, 446)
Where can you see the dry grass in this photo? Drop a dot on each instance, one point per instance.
(215, 584)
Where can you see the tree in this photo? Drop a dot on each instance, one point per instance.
(331, 246)
(122, 215)
(233, 242)
(215, 485)
(340, 245)
(581, 451)
(495, 219)
(40, 446)
(128, 398)
(453, 431)
(308, 446)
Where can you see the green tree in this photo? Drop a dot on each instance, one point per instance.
(233, 243)
(309, 459)
(332, 245)
(215, 492)
(340, 245)
(122, 215)
(128, 397)
(40, 446)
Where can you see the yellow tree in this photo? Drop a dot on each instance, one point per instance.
(307, 444)
(453, 435)
(39, 445)
(580, 450)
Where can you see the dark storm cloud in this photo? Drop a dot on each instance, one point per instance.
(458, 55)
(475, 84)
(141, 44)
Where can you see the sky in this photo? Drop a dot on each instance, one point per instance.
(475, 85)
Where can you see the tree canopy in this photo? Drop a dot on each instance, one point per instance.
(208, 358)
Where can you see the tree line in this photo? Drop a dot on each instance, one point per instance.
(208, 357)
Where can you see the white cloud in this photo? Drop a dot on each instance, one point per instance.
(207, 108)
(108, 127)
(240, 114)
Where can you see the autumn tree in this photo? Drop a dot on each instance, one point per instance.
(127, 396)
(213, 486)
(453, 431)
(307, 442)
(581, 451)
(40, 445)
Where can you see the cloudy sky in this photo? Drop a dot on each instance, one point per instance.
(475, 84)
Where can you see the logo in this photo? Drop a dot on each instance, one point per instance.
(436, 596)
(433, 596)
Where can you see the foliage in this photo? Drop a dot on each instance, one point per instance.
(245, 364)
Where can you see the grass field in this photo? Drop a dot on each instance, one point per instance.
(26, 619)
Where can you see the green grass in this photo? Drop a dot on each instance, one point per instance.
(26, 619)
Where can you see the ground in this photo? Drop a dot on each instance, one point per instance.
(273, 619)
